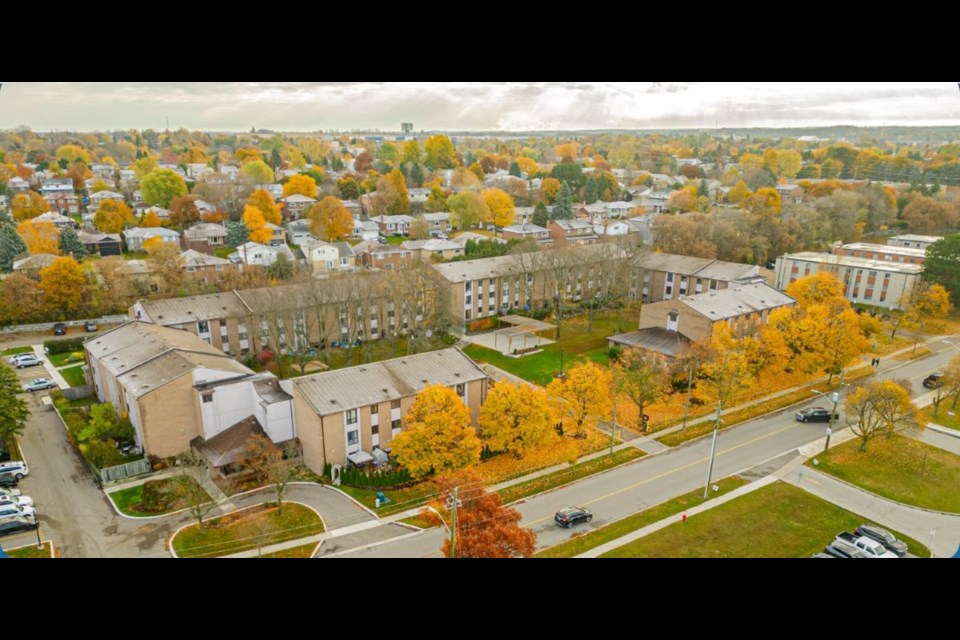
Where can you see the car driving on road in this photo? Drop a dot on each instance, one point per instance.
(571, 516)
(815, 414)
(933, 381)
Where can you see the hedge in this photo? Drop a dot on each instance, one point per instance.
(63, 346)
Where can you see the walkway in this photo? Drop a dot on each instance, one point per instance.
(52, 372)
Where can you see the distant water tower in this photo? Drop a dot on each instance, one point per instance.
(406, 127)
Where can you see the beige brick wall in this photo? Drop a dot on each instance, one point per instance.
(691, 324)
(309, 433)
(170, 418)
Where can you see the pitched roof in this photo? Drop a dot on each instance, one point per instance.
(656, 339)
(736, 301)
(525, 228)
(297, 197)
(194, 308)
(206, 230)
(699, 267)
(36, 261)
(95, 237)
(353, 387)
(150, 232)
(193, 258)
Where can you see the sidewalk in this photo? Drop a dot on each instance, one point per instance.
(52, 372)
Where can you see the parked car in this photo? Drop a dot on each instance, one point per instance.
(39, 384)
(441, 236)
(13, 359)
(571, 516)
(16, 525)
(19, 501)
(15, 511)
(17, 469)
(884, 537)
(8, 479)
(27, 360)
(867, 547)
(933, 381)
(822, 554)
(90, 325)
(9, 492)
(60, 329)
(840, 549)
(815, 414)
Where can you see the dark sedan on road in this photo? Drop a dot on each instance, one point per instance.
(16, 525)
(571, 516)
(815, 414)
(933, 381)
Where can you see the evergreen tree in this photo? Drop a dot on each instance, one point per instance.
(275, 160)
(590, 192)
(540, 215)
(514, 169)
(702, 189)
(237, 234)
(13, 410)
(563, 205)
(416, 174)
(12, 247)
(70, 244)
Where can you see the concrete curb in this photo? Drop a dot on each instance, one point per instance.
(944, 430)
(354, 500)
(372, 545)
(877, 495)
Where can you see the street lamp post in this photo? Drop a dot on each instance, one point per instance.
(36, 521)
(561, 363)
(835, 399)
(452, 528)
(713, 448)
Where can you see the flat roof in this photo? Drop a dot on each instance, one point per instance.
(886, 248)
(852, 261)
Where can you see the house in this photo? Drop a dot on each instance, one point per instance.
(888, 253)
(913, 240)
(663, 276)
(572, 232)
(874, 282)
(138, 236)
(179, 391)
(102, 244)
(260, 255)
(231, 171)
(278, 235)
(354, 207)
(643, 226)
(215, 235)
(197, 169)
(466, 236)
(656, 201)
(394, 225)
(437, 223)
(790, 193)
(524, 231)
(348, 257)
(96, 199)
(16, 184)
(365, 229)
(523, 215)
(31, 265)
(160, 212)
(102, 171)
(59, 221)
(619, 209)
(298, 231)
(204, 267)
(321, 257)
(55, 186)
(590, 211)
(343, 416)
(607, 228)
(276, 190)
(388, 257)
(63, 202)
(434, 249)
(296, 204)
(666, 327)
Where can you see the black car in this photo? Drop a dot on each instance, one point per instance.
(884, 537)
(571, 516)
(933, 381)
(8, 480)
(815, 414)
(59, 329)
(16, 525)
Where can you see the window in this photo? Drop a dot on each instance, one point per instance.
(375, 429)
(191, 269)
(374, 409)
(207, 397)
(343, 262)
(353, 437)
(395, 425)
(668, 291)
(243, 335)
(673, 319)
(394, 404)
(352, 416)
(493, 294)
(461, 390)
(223, 324)
(468, 300)
(669, 277)
(466, 314)
(468, 286)
(203, 326)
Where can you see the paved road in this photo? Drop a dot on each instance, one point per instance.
(636, 486)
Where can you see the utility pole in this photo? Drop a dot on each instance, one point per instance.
(686, 405)
(613, 425)
(453, 524)
(713, 449)
(833, 412)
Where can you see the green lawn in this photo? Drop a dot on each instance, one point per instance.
(899, 468)
(260, 526)
(396, 240)
(592, 539)
(944, 418)
(303, 551)
(130, 501)
(776, 521)
(371, 351)
(135, 255)
(400, 499)
(12, 351)
(74, 376)
(577, 344)
(65, 358)
(30, 551)
(568, 475)
(223, 252)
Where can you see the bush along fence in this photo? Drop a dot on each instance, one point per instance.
(379, 479)
(64, 346)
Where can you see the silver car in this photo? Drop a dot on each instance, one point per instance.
(39, 384)
(27, 360)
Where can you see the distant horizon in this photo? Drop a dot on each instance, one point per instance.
(475, 108)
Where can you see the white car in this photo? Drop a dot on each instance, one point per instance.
(13, 511)
(16, 469)
(27, 360)
(8, 492)
(19, 501)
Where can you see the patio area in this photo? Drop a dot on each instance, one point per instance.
(521, 334)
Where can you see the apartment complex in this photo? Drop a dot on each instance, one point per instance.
(884, 252)
(879, 283)
(913, 240)
(665, 276)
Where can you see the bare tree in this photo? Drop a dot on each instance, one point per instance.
(876, 408)
(192, 472)
(560, 268)
(273, 465)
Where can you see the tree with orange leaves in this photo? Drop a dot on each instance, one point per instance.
(330, 220)
(300, 184)
(63, 285)
(41, 237)
(263, 201)
(28, 205)
(151, 219)
(484, 528)
(256, 225)
(581, 397)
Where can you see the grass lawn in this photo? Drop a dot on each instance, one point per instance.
(593, 539)
(223, 252)
(371, 351)
(400, 499)
(396, 240)
(30, 551)
(65, 358)
(899, 468)
(261, 525)
(130, 501)
(947, 417)
(776, 521)
(577, 344)
(74, 376)
(303, 551)
(12, 351)
(135, 255)
(568, 475)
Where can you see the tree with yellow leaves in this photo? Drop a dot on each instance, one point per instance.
(64, 286)
(567, 150)
(528, 165)
(924, 301)
(24, 206)
(763, 202)
(151, 219)
(40, 237)
(112, 216)
(581, 397)
(815, 289)
(549, 189)
(437, 436)
(330, 220)
(730, 362)
(300, 184)
(502, 209)
(263, 200)
(739, 192)
(392, 197)
(641, 377)
(878, 407)
(516, 418)
(439, 153)
(255, 171)
(257, 229)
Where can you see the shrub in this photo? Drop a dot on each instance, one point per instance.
(63, 346)
(159, 495)
(615, 352)
(379, 479)
(101, 453)
(481, 324)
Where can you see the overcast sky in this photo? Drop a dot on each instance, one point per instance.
(307, 106)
